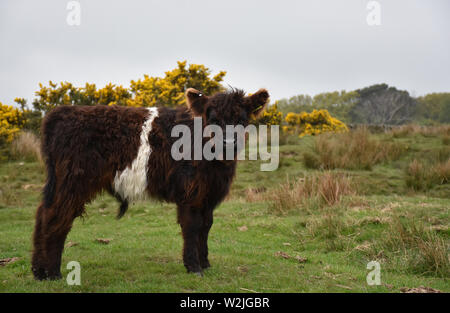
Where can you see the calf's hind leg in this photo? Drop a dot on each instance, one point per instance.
(39, 257)
(51, 229)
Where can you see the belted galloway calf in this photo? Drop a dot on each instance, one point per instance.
(127, 152)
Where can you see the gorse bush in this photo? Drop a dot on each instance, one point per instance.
(354, 150)
(314, 123)
(149, 91)
(11, 121)
(270, 116)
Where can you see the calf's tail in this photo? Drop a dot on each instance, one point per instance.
(50, 185)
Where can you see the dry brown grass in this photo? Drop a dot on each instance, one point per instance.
(416, 177)
(422, 175)
(255, 194)
(26, 146)
(446, 140)
(420, 248)
(352, 150)
(426, 131)
(327, 188)
(441, 172)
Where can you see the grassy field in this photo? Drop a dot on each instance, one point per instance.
(272, 234)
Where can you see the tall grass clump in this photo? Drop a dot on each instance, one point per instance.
(324, 189)
(355, 150)
(26, 146)
(332, 227)
(446, 140)
(441, 172)
(417, 176)
(433, 170)
(410, 245)
(255, 194)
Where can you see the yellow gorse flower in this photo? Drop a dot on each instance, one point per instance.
(11, 121)
(314, 123)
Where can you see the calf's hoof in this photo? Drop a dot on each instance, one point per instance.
(194, 270)
(55, 276)
(205, 264)
(39, 273)
(43, 274)
(199, 274)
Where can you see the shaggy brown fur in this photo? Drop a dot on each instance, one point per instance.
(85, 147)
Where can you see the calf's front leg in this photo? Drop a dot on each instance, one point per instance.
(203, 238)
(190, 220)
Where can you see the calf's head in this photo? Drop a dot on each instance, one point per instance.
(230, 108)
(226, 108)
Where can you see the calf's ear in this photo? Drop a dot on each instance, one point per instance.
(196, 101)
(257, 102)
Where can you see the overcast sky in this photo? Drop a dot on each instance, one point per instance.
(288, 47)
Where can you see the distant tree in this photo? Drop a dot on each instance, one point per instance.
(338, 103)
(381, 104)
(296, 104)
(445, 116)
(434, 107)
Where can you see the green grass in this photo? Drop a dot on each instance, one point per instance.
(144, 254)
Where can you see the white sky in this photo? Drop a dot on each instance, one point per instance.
(288, 47)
